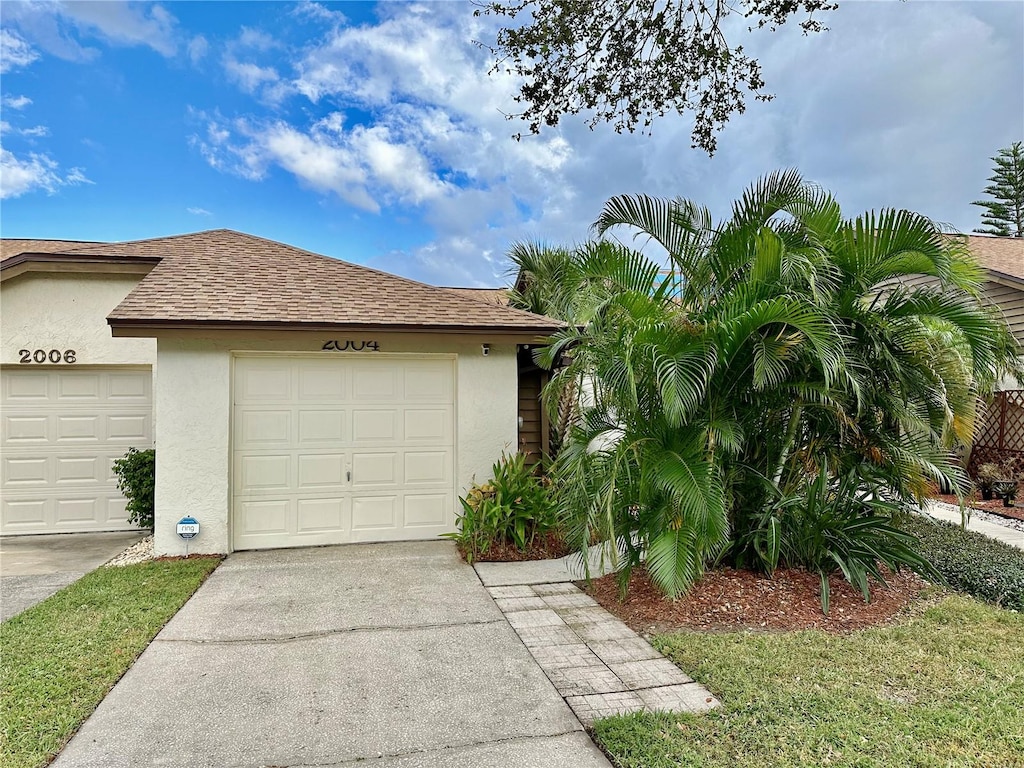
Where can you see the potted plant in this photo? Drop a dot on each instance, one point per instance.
(988, 473)
(1005, 487)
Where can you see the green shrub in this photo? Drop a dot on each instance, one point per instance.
(971, 562)
(832, 523)
(510, 509)
(136, 478)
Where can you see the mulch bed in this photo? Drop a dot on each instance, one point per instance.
(729, 600)
(544, 547)
(992, 506)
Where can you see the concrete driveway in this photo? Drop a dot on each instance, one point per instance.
(34, 567)
(387, 654)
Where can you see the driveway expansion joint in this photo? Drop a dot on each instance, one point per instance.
(597, 664)
(321, 633)
(448, 748)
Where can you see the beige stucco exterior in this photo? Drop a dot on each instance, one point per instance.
(193, 397)
(49, 310)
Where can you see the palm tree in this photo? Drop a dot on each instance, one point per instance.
(725, 378)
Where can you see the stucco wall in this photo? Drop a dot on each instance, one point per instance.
(68, 311)
(193, 406)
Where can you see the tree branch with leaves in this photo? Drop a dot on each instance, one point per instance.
(628, 62)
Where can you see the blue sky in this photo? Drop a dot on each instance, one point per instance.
(372, 132)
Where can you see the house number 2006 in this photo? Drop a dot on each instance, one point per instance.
(47, 356)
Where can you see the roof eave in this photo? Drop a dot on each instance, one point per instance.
(55, 262)
(124, 327)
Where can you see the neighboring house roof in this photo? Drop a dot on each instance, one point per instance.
(222, 278)
(1001, 254)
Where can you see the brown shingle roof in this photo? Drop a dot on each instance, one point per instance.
(226, 278)
(12, 246)
(1003, 254)
(496, 296)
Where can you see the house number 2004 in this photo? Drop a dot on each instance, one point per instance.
(47, 356)
(355, 346)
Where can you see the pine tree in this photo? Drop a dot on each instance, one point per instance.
(1004, 215)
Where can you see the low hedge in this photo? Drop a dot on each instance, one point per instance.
(970, 562)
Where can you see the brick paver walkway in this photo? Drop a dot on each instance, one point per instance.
(598, 664)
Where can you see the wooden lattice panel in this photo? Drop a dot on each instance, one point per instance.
(1001, 436)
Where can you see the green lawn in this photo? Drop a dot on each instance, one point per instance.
(944, 687)
(60, 658)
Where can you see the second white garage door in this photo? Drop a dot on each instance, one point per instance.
(337, 450)
(62, 429)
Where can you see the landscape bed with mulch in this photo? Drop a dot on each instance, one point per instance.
(728, 600)
(992, 506)
(544, 547)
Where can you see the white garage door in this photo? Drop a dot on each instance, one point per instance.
(336, 450)
(62, 429)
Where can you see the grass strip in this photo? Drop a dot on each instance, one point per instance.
(941, 688)
(59, 659)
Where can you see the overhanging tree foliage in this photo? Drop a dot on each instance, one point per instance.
(770, 391)
(631, 61)
(1004, 214)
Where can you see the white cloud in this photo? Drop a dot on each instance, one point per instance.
(34, 171)
(15, 52)
(59, 28)
(249, 76)
(16, 102)
(899, 104)
(199, 211)
(35, 132)
(126, 23)
(198, 47)
(317, 12)
(257, 40)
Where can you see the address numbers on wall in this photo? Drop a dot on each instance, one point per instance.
(47, 356)
(354, 346)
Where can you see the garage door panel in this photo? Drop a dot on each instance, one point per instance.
(26, 472)
(26, 429)
(263, 428)
(374, 513)
(61, 432)
(321, 426)
(127, 429)
(319, 383)
(321, 515)
(428, 425)
(79, 429)
(426, 467)
(22, 386)
(371, 446)
(82, 511)
(426, 509)
(28, 516)
(133, 386)
(266, 382)
(80, 470)
(374, 469)
(317, 471)
(79, 386)
(372, 426)
(260, 473)
(263, 517)
(374, 383)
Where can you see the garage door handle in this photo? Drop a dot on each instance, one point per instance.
(348, 476)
